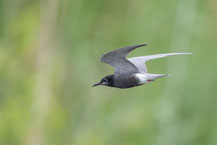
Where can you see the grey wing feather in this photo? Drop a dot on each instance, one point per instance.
(139, 62)
(117, 59)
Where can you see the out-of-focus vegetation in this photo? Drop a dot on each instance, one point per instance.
(49, 53)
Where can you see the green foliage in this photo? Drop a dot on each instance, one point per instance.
(49, 53)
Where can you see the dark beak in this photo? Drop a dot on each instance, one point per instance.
(96, 84)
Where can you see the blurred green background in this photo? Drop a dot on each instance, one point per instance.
(49, 53)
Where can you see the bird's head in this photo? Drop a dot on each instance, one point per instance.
(106, 81)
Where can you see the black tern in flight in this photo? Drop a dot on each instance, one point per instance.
(130, 72)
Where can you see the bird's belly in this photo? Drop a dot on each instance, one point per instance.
(126, 81)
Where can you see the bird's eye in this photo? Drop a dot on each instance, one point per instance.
(105, 80)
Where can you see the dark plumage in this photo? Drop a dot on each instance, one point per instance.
(129, 72)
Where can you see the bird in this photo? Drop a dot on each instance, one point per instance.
(130, 72)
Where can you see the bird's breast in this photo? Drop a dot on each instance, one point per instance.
(126, 81)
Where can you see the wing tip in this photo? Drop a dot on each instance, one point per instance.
(189, 53)
(169, 75)
(136, 46)
(145, 44)
(181, 53)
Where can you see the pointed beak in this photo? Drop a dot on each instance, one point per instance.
(97, 84)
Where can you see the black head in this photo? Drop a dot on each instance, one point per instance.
(106, 81)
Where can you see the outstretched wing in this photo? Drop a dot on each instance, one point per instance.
(139, 62)
(117, 59)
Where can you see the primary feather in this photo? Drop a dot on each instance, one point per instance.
(117, 58)
(139, 62)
